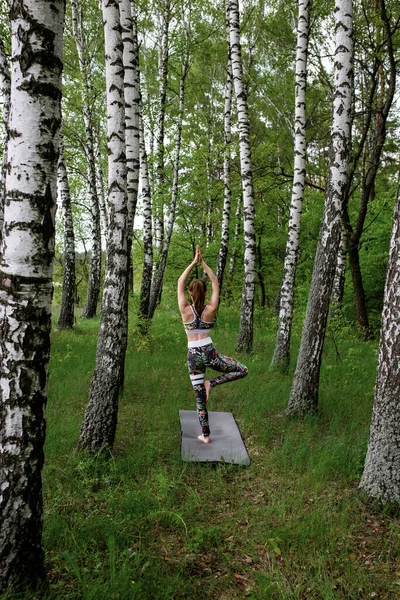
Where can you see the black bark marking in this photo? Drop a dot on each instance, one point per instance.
(38, 88)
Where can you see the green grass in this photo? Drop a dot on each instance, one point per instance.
(143, 524)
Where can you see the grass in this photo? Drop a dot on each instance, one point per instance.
(143, 524)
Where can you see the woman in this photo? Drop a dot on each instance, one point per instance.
(198, 320)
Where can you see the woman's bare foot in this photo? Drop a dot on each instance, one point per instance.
(207, 385)
(206, 440)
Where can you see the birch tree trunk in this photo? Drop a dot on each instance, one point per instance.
(381, 476)
(260, 274)
(99, 425)
(163, 59)
(281, 357)
(130, 57)
(245, 337)
(147, 234)
(378, 138)
(223, 250)
(132, 91)
(5, 87)
(66, 320)
(210, 199)
(340, 271)
(93, 290)
(158, 276)
(236, 235)
(100, 186)
(26, 267)
(147, 214)
(304, 394)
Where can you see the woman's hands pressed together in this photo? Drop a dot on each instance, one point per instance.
(198, 258)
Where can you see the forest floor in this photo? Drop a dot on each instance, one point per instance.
(143, 524)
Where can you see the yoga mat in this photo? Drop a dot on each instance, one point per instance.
(226, 442)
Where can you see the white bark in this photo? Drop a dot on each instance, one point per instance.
(130, 55)
(304, 394)
(210, 200)
(156, 285)
(236, 235)
(145, 288)
(66, 320)
(100, 186)
(281, 357)
(245, 337)
(381, 476)
(99, 425)
(163, 59)
(147, 231)
(340, 272)
(26, 267)
(226, 211)
(93, 291)
(5, 87)
(132, 90)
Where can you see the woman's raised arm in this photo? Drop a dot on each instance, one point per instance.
(214, 300)
(182, 300)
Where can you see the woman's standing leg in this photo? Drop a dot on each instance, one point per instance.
(197, 370)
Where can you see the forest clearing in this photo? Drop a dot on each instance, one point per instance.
(187, 186)
(144, 524)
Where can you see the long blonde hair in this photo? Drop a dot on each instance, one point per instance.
(198, 290)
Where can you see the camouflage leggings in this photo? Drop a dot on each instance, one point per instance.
(201, 357)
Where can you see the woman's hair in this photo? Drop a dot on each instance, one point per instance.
(197, 289)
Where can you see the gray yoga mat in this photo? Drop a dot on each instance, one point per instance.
(226, 442)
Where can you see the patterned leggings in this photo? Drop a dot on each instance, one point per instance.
(207, 356)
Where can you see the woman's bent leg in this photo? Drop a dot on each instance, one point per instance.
(230, 368)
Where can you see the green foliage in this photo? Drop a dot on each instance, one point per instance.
(268, 52)
(5, 27)
(75, 95)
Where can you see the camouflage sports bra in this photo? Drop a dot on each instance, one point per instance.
(198, 325)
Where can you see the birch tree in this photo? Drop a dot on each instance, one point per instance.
(26, 267)
(100, 421)
(146, 201)
(340, 271)
(381, 476)
(147, 233)
(5, 87)
(372, 156)
(130, 56)
(132, 89)
(304, 394)
(245, 337)
(226, 211)
(157, 281)
(66, 320)
(281, 357)
(208, 220)
(236, 236)
(100, 184)
(93, 290)
(163, 66)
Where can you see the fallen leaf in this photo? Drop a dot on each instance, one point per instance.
(239, 578)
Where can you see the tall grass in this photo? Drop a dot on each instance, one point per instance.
(143, 524)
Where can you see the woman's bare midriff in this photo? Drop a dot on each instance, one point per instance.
(194, 337)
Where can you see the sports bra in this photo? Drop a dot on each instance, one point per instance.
(198, 325)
